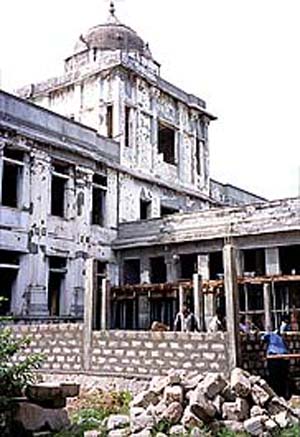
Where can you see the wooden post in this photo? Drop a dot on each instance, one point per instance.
(88, 314)
(181, 301)
(232, 305)
(198, 300)
(267, 307)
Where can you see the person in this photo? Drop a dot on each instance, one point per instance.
(186, 321)
(245, 325)
(278, 368)
(217, 322)
(285, 325)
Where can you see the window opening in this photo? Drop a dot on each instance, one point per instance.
(9, 266)
(166, 143)
(216, 270)
(254, 261)
(198, 156)
(289, 258)
(131, 271)
(12, 177)
(59, 180)
(145, 209)
(99, 195)
(188, 264)
(57, 271)
(109, 120)
(158, 274)
(127, 126)
(166, 210)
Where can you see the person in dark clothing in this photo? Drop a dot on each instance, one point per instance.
(278, 368)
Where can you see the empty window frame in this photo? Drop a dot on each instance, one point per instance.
(158, 270)
(216, 269)
(127, 126)
(254, 261)
(59, 179)
(12, 177)
(167, 210)
(188, 265)
(166, 143)
(109, 120)
(99, 196)
(145, 209)
(57, 271)
(9, 266)
(289, 257)
(131, 271)
(199, 145)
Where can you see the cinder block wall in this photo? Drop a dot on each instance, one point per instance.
(125, 353)
(61, 344)
(154, 353)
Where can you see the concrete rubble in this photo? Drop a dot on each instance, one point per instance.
(182, 405)
(43, 408)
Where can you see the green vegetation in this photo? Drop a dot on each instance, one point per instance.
(90, 410)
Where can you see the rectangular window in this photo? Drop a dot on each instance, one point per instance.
(9, 266)
(166, 210)
(127, 126)
(99, 195)
(12, 177)
(158, 273)
(198, 155)
(131, 271)
(59, 180)
(57, 271)
(166, 143)
(109, 120)
(145, 209)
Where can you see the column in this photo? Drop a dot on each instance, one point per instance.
(232, 305)
(272, 261)
(105, 307)
(1, 168)
(37, 290)
(267, 306)
(209, 298)
(172, 264)
(145, 270)
(181, 300)
(198, 301)
(88, 313)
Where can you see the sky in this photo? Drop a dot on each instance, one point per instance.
(241, 56)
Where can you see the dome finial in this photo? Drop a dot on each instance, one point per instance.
(112, 8)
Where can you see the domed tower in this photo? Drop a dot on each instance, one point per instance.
(101, 40)
(112, 83)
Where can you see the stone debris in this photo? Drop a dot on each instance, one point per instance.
(176, 405)
(43, 408)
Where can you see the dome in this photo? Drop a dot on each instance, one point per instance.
(112, 36)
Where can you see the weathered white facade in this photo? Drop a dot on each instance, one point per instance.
(110, 142)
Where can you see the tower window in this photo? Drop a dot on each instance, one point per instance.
(109, 120)
(99, 195)
(198, 156)
(127, 126)
(12, 177)
(57, 271)
(166, 210)
(166, 143)
(145, 209)
(59, 180)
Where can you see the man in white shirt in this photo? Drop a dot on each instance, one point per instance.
(186, 321)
